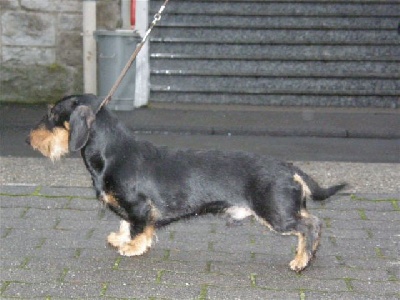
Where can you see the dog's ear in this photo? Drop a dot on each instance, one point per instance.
(80, 123)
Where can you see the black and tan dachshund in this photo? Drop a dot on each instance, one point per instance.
(150, 187)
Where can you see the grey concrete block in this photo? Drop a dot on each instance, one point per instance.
(28, 29)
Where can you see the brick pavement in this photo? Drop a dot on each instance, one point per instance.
(53, 247)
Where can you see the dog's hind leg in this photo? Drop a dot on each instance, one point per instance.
(281, 207)
(308, 231)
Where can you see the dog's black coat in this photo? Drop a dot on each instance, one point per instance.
(155, 186)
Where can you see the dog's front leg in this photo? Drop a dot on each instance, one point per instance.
(129, 246)
(135, 237)
(139, 244)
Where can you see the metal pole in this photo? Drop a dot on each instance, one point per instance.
(89, 47)
(142, 88)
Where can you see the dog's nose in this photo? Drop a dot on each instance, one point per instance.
(28, 140)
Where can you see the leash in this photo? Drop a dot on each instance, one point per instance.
(156, 19)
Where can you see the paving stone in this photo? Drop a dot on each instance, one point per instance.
(33, 201)
(53, 290)
(17, 189)
(346, 296)
(345, 272)
(389, 288)
(190, 279)
(84, 204)
(148, 291)
(64, 191)
(220, 293)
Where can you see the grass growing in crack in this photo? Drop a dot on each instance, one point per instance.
(362, 214)
(302, 295)
(58, 221)
(7, 232)
(349, 284)
(160, 274)
(369, 233)
(340, 260)
(333, 241)
(208, 267)
(210, 246)
(41, 243)
(204, 292)
(253, 280)
(63, 275)
(167, 254)
(117, 263)
(328, 222)
(392, 276)
(89, 234)
(252, 240)
(36, 192)
(25, 263)
(395, 204)
(172, 235)
(77, 253)
(379, 252)
(103, 290)
(4, 286)
(24, 212)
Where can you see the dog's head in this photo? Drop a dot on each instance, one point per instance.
(65, 127)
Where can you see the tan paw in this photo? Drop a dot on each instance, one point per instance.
(117, 239)
(300, 262)
(139, 245)
(135, 247)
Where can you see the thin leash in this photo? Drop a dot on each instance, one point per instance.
(156, 19)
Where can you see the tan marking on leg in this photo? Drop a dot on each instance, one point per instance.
(140, 244)
(302, 257)
(154, 212)
(123, 236)
(109, 199)
(305, 190)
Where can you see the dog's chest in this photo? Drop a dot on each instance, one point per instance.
(96, 163)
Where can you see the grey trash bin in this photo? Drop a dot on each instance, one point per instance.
(114, 48)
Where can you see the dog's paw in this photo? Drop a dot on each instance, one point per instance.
(117, 240)
(300, 262)
(135, 247)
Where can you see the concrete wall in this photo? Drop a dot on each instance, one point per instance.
(41, 47)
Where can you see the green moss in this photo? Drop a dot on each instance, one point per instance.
(56, 68)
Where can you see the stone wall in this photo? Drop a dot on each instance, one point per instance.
(41, 47)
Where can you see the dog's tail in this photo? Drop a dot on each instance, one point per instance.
(315, 191)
